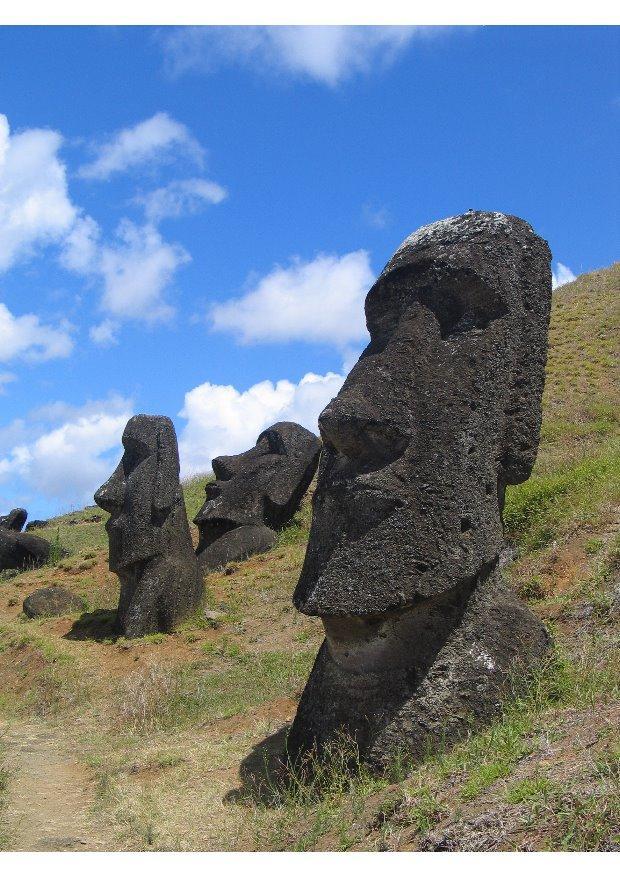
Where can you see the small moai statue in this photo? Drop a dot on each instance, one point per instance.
(255, 493)
(150, 543)
(441, 412)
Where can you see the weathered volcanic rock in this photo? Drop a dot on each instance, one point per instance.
(15, 520)
(439, 415)
(21, 550)
(261, 487)
(52, 601)
(150, 542)
(235, 545)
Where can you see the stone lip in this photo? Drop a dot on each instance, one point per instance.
(15, 520)
(22, 551)
(52, 601)
(150, 543)
(440, 413)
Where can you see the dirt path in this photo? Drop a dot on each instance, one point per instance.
(50, 800)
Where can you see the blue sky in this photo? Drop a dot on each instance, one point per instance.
(190, 219)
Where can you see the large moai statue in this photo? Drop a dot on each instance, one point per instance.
(150, 542)
(441, 412)
(255, 493)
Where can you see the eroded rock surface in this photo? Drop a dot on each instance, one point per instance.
(441, 413)
(150, 543)
(261, 488)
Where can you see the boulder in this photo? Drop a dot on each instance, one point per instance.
(22, 551)
(441, 412)
(52, 601)
(236, 545)
(150, 543)
(15, 520)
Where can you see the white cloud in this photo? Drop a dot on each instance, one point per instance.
(67, 462)
(25, 337)
(81, 245)
(561, 275)
(326, 54)
(35, 208)
(319, 301)
(6, 377)
(151, 141)
(104, 334)
(137, 271)
(376, 217)
(222, 420)
(180, 197)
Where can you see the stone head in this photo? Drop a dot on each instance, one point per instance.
(142, 490)
(261, 486)
(439, 414)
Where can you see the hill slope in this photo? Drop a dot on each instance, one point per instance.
(146, 737)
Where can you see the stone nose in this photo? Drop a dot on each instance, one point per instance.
(360, 434)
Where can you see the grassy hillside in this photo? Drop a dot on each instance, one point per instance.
(166, 742)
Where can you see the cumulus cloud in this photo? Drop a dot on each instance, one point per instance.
(104, 334)
(223, 420)
(561, 275)
(327, 54)
(320, 301)
(179, 198)
(35, 208)
(26, 337)
(135, 271)
(45, 460)
(151, 141)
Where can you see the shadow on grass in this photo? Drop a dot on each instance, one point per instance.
(262, 772)
(94, 626)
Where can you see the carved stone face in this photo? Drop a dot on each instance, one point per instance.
(440, 413)
(261, 486)
(141, 491)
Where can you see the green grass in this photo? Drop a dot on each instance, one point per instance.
(544, 507)
(229, 683)
(194, 493)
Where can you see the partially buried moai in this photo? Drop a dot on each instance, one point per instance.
(255, 493)
(150, 542)
(441, 412)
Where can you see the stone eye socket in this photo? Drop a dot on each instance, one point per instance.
(463, 305)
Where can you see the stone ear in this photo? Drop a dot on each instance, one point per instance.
(166, 476)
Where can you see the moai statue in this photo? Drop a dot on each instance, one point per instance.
(150, 542)
(441, 412)
(15, 520)
(255, 493)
